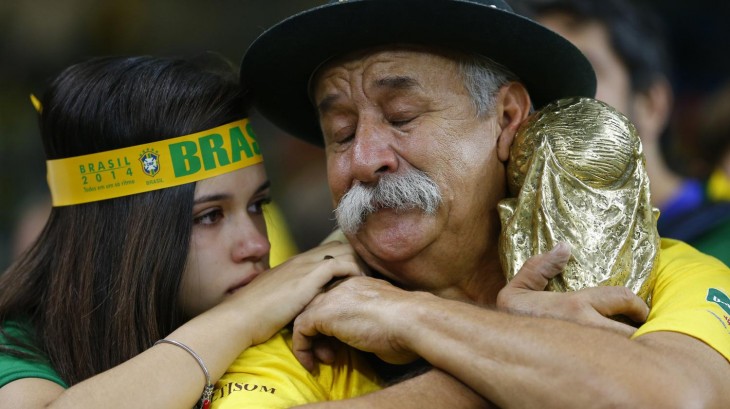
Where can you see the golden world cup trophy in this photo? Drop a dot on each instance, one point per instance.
(577, 174)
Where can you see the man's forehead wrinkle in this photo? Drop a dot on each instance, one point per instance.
(364, 73)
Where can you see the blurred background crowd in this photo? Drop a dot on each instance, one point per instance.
(38, 38)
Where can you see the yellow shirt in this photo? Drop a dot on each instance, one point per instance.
(691, 296)
(282, 242)
(269, 376)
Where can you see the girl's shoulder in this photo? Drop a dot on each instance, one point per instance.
(18, 360)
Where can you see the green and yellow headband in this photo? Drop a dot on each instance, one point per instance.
(153, 166)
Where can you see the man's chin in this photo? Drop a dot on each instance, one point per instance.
(394, 236)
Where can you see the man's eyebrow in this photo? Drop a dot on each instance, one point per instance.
(326, 103)
(398, 83)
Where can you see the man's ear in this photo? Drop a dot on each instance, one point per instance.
(513, 106)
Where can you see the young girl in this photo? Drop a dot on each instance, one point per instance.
(157, 237)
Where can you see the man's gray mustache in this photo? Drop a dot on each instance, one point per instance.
(413, 189)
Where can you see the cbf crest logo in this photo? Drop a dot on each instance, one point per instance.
(150, 162)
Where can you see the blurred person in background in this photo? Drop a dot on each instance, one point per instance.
(712, 151)
(626, 45)
(713, 143)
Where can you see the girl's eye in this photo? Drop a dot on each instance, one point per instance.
(210, 217)
(258, 206)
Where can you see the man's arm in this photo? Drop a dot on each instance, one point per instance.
(433, 389)
(519, 361)
(538, 362)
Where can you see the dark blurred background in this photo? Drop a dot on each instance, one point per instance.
(38, 38)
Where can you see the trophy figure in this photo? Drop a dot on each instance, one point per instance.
(577, 174)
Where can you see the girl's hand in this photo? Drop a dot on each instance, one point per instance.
(275, 297)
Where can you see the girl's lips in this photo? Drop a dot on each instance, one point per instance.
(242, 283)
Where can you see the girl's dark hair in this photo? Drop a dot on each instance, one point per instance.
(101, 283)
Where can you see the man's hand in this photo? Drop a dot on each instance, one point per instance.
(590, 306)
(362, 312)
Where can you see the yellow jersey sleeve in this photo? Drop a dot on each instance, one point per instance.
(269, 376)
(282, 242)
(691, 296)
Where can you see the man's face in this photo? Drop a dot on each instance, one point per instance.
(390, 112)
(592, 38)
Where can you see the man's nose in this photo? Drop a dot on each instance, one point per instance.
(373, 153)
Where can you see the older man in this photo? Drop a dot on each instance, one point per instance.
(416, 104)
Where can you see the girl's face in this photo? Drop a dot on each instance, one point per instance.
(228, 246)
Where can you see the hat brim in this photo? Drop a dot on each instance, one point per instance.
(279, 63)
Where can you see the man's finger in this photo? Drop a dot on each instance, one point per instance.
(616, 300)
(302, 343)
(616, 326)
(538, 270)
(324, 349)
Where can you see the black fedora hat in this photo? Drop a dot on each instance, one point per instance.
(279, 63)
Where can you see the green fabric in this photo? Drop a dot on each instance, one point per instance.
(715, 242)
(13, 368)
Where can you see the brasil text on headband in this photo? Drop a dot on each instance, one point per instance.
(153, 166)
